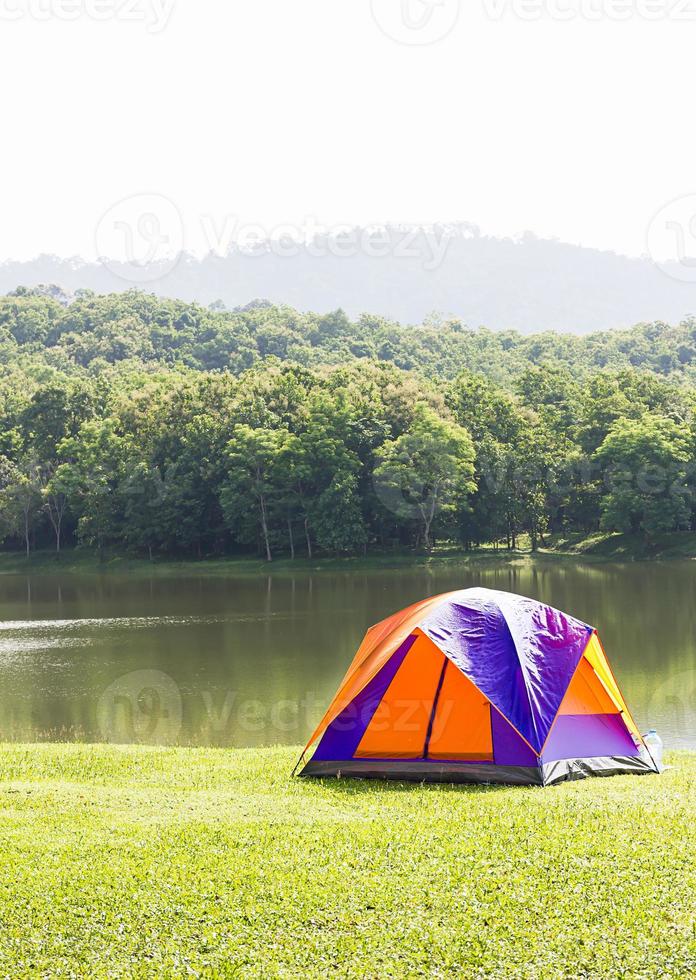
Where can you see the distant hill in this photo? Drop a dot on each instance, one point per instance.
(529, 285)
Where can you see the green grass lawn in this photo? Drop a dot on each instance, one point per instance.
(134, 862)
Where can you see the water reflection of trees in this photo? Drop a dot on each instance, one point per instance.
(242, 651)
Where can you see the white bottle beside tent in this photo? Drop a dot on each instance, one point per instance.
(655, 748)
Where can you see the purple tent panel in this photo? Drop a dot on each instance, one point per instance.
(519, 653)
(508, 748)
(589, 736)
(343, 736)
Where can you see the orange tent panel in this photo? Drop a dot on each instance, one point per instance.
(598, 661)
(380, 642)
(587, 695)
(400, 724)
(462, 724)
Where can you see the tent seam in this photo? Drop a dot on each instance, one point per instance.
(433, 710)
(524, 677)
(484, 696)
(526, 681)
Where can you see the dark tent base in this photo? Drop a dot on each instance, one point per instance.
(426, 772)
(414, 770)
(566, 769)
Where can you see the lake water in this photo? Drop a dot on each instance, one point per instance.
(242, 660)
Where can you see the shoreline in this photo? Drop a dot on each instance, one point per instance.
(596, 549)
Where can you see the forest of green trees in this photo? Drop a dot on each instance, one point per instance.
(147, 426)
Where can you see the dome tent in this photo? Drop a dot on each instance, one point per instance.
(479, 686)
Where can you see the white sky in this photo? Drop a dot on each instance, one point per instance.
(278, 111)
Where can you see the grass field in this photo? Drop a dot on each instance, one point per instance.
(135, 862)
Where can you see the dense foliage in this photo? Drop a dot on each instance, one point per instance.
(158, 427)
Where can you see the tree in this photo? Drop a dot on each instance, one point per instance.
(321, 471)
(297, 489)
(336, 516)
(646, 469)
(513, 488)
(20, 497)
(483, 410)
(427, 472)
(496, 424)
(552, 393)
(610, 396)
(146, 496)
(97, 459)
(252, 483)
(55, 412)
(55, 487)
